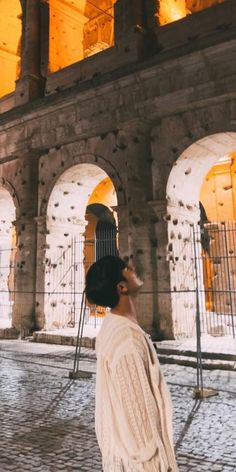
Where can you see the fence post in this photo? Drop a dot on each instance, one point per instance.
(228, 276)
(198, 322)
(199, 392)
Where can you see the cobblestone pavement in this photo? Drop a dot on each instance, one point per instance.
(47, 420)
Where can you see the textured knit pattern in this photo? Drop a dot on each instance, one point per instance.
(136, 396)
(133, 408)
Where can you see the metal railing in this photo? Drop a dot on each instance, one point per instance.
(216, 274)
(203, 277)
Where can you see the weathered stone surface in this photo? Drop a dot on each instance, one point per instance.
(47, 421)
(149, 124)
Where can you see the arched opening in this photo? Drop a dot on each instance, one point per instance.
(218, 190)
(196, 183)
(173, 10)
(102, 230)
(78, 29)
(10, 44)
(82, 199)
(7, 257)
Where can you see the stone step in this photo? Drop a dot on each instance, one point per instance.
(192, 353)
(66, 340)
(9, 333)
(191, 361)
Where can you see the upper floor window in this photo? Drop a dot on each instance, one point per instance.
(173, 10)
(78, 29)
(10, 44)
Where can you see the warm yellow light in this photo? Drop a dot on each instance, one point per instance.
(78, 29)
(10, 42)
(104, 193)
(171, 10)
(219, 189)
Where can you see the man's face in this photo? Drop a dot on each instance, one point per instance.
(134, 283)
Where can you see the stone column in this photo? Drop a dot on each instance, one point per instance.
(134, 223)
(164, 320)
(123, 225)
(176, 275)
(135, 24)
(41, 223)
(24, 276)
(30, 85)
(25, 261)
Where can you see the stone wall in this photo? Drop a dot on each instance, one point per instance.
(132, 122)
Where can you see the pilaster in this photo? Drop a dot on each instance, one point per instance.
(31, 84)
(26, 245)
(162, 279)
(24, 275)
(134, 221)
(135, 23)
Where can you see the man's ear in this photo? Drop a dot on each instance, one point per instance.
(122, 288)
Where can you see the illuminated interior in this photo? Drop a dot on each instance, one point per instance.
(102, 223)
(173, 10)
(103, 194)
(217, 196)
(78, 29)
(218, 191)
(10, 40)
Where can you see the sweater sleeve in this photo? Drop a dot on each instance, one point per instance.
(138, 413)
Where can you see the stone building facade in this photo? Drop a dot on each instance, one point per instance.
(145, 99)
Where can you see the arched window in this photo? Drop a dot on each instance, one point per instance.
(173, 10)
(78, 29)
(10, 44)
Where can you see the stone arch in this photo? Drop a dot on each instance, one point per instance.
(65, 242)
(12, 192)
(182, 193)
(190, 168)
(10, 40)
(81, 158)
(7, 253)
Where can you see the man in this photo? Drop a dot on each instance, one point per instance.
(133, 418)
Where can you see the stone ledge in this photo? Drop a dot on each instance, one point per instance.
(9, 333)
(207, 364)
(178, 351)
(50, 338)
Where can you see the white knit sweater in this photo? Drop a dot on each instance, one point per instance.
(133, 417)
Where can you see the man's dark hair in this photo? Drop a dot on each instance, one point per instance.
(102, 279)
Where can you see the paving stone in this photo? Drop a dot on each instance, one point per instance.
(47, 421)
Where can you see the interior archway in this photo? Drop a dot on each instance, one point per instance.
(70, 248)
(10, 44)
(7, 256)
(184, 193)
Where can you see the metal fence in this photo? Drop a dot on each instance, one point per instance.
(202, 269)
(65, 278)
(215, 266)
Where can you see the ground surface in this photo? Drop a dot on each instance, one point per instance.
(47, 420)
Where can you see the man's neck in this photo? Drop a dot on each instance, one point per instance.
(126, 308)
